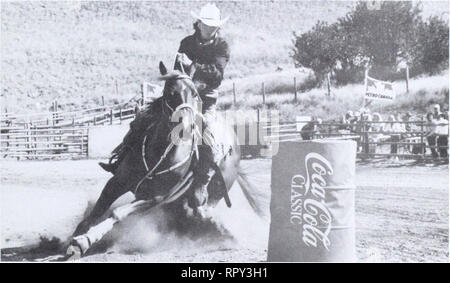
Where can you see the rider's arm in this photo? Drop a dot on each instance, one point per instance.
(185, 48)
(213, 72)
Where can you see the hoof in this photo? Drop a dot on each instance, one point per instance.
(199, 197)
(78, 247)
(73, 253)
(200, 213)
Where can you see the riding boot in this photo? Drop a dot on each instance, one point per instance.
(119, 152)
(109, 167)
(143, 121)
(113, 165)
(203, 174)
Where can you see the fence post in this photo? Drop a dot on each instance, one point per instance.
(234, 93)
(313, 132)
(48, 133)
(424, 149)
(295, 89)
(82, 142)
(328, 84)
(103, 100)
(366, 138)
(120, 114)
(361, 134)
(264, 94)
(110, 116)
(53, 114)
(27, 126)
(257, 126)
(142, 93)
(56, 111)
(33, 139)
(407, 78)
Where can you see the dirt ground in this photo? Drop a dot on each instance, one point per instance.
(401, 215)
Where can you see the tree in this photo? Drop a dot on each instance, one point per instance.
(431, 48)
(315, 49)
(373, 37)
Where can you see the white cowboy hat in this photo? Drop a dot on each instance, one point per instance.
(210, 16)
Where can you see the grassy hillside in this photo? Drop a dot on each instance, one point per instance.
(52, 50)
(77, 53)
(423, 92)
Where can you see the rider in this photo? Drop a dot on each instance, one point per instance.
(208, 53)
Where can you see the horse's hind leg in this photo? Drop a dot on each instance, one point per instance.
(112, 191)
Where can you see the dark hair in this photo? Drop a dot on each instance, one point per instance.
(195, 25)
(197, 29)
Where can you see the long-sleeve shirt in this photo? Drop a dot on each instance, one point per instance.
(441, 127)
(211, 59)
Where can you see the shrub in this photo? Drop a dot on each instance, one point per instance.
(431, 46)
(376, 38)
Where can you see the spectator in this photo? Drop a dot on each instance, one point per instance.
(436, 111)
(431, 134)
(442, 135)
(356, 128)
(400, 125)
(357, 116)
(349, 115)
(345, 122)
(367, 127)
(344, 125)
(392, 127)
(377, 126)
(406, 126)
(406, 119)
(311, 129)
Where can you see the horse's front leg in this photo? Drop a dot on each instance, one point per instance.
(82, 243)
(112, 191)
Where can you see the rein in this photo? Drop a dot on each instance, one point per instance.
(151, 173)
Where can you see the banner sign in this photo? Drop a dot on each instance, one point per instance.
(379, 90)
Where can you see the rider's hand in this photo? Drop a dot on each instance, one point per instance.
(184, 59)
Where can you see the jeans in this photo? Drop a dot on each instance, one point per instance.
(394, 138)
(432, 142)
(442, 142)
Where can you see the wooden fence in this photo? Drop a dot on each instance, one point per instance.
(65, 134)
(94, 116)
(373, 140)
(55, 134)
(34, 143)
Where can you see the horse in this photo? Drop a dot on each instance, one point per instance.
(159, 171)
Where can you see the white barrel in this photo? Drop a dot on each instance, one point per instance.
(313, 202)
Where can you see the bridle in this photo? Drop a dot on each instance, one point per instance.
(195, 135)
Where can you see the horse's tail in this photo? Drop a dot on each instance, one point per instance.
(250, 192)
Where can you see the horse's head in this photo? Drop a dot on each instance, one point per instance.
(181, 100)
